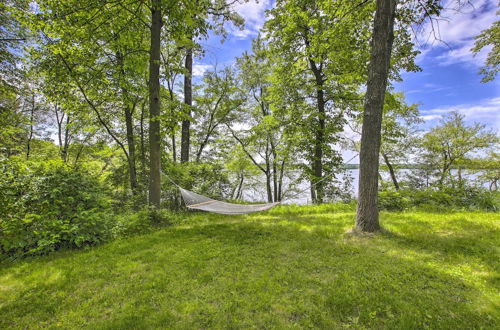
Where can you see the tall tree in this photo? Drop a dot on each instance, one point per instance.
(453, 142)
(378, 72)
(154, 105)
(306, 38)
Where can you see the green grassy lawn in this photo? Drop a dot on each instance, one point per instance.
(290, 267)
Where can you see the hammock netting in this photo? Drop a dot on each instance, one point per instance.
(200, 202)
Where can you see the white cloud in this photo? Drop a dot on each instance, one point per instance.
(486, 111)
(431, 117)
(454, 32)
(254, 14)
(200, 69)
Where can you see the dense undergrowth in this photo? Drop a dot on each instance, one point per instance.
(291, 267)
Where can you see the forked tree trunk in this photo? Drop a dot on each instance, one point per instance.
(378, 71)
(154, 105)
(188, 100)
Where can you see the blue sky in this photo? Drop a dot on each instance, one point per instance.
(449, 80)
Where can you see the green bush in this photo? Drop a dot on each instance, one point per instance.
(50, 206)
(392, 201)
(131, 224)
(463, 197)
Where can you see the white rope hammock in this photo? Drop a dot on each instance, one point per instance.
(200, 202)
(204, 203)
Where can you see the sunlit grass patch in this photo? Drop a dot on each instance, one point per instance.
(289, 267)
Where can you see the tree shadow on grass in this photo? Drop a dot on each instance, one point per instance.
(240, 275)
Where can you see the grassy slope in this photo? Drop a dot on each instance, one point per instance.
(291, 267)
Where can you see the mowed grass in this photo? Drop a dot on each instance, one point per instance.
(292, 267)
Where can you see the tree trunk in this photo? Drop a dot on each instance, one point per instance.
(313, 191)
(188, 100)
(32, 118)
(129, 126)
(240, 186)
(275, 172)
(268, 173)
(154, 105)
(378, 71)
(280, 181)
(143, 148)
(317, 191)
(65, 146)
(391, 171)
(269, 187)
(444, 170)
(460, 178)
(318, 148)
(131, 149)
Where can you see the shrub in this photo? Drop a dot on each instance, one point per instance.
(463, 197)
(392, 201)
(50, 206)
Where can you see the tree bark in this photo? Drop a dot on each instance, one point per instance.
(65, 147)
(378, 72)
(240, 186)
(32, 118)
(391, 171)
(318, 149)
(280, 181)
(154, 105)
(131, 149)
(317, 190)
(188, 100)
(143, 148)
(317, 165)
(128, 111)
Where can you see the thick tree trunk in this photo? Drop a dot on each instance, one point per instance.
(188, 100)
(378, 71)
(154, 105)
(391, 171)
